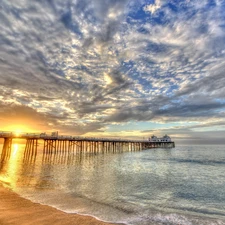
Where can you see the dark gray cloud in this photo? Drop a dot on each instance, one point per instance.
(13, 114)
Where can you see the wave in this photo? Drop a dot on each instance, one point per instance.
(199, 161)
(124, 214)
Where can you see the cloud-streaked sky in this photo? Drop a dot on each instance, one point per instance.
(128, 68)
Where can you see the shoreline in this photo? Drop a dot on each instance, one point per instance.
(15, 210)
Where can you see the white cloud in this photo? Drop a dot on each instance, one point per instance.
(153, 7)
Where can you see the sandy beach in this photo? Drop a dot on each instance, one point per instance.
(19, 211)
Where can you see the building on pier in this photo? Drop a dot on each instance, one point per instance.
(165, 138)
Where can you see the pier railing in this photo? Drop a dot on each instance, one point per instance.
(44, 136)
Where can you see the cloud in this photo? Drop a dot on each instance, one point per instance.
(153, 7)
(13, 115)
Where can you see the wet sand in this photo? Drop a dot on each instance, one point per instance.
(19, 211)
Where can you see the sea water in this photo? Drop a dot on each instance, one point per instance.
(183, 185)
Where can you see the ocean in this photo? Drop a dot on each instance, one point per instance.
(184, 185)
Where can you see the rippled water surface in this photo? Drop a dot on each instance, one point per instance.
(182, 185)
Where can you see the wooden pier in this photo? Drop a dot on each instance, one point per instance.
(60, 144)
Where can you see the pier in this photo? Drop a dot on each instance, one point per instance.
(55, 143)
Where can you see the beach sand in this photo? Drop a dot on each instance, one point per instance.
(19, 211)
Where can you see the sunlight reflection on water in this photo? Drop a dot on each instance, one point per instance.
(134, 186)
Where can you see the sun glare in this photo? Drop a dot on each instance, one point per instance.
(15, 149)
(17, 132)
(18, 129)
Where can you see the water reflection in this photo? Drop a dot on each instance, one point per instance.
(9, 164)
(65, 158)
(156, 179)
(21, 166)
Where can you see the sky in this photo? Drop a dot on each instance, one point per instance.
(114, 68)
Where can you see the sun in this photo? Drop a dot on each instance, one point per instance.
(17, 132)
(18, 129)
